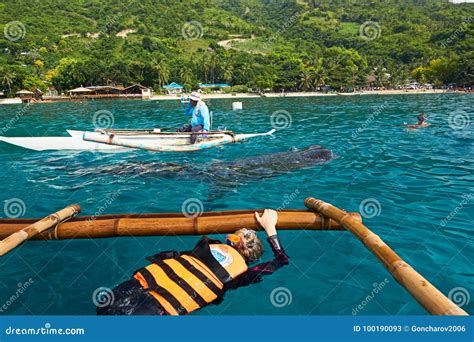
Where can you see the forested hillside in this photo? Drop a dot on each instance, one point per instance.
(274, 44)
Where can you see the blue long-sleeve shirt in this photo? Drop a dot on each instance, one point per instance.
(199, 115)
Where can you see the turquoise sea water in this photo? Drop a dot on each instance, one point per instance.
(420, 183)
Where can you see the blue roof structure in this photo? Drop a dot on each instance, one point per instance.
(173, 85)
(213, 85)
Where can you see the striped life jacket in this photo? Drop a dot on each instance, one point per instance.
(190, 281)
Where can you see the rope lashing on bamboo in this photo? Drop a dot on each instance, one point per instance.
(53, 220)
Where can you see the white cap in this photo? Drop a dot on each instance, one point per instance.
(195, 96)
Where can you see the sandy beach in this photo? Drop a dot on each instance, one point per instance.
(177, 97)
(308, 94)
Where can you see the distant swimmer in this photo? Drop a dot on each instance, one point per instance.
(422, 122)
(178, 283)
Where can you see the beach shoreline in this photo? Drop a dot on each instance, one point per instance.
(237, 96)
(307, 94)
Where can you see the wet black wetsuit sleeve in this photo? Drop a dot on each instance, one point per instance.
(255, 273)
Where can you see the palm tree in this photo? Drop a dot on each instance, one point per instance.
(8, 79)
(318, 78)
(379, 74)
(213, 66)
(246, 73)
(186, 75)
(227, 74)
(163, 72)
(227, 71)
(305, 80)
(317, 73)
(205, 66)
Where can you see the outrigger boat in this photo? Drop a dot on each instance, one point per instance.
(156, 139)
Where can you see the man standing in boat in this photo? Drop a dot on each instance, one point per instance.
(200, 118)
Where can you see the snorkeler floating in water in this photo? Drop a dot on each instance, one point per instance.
(422, 122)
(178, 283)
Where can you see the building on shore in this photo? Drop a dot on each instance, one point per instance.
(51, 92)
(105, 92)
(136, 89)
(173, 88)
(81, 91)
(26, 95)
(147, 93)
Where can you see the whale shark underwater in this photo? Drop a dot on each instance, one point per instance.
(221, 177)
(223, 173)
(228, 173)
(280, 161)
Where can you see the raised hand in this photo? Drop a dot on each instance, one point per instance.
(268, 221)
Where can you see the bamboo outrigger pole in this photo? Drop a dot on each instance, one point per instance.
(421, 289)
(20, 236)
(89, 227)
(111, 139)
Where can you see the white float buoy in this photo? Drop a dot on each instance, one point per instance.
(236, 105)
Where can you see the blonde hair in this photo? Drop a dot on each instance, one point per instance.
(250, 246)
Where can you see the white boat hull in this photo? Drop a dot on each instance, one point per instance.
(97, 141)
(57, 143)
(163, 145)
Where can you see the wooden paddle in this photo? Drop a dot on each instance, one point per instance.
(14, 240)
